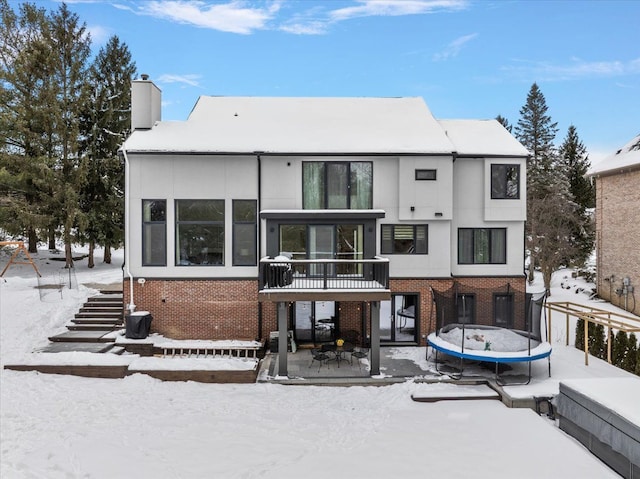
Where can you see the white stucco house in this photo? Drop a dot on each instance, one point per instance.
(327, 217)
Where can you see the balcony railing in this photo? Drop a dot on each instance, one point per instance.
(324, 274)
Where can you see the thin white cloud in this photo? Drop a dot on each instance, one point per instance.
(191, 80)
(99, 34)
(577, 68)
(453, 49)
(318, 20)
(394, 8)
(306, 28)
(232, 17)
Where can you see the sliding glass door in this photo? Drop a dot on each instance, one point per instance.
(321, 246)
(399, 318)
(325, 241)
(315, 321)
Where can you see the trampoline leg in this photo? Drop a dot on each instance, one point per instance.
(453, 376)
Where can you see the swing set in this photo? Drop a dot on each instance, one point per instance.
(14, 257)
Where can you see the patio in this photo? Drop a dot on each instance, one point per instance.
(301, 366)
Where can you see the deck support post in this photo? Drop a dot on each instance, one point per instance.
(375, 338)
(283, 338)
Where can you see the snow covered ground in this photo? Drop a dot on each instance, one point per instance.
(70, 427)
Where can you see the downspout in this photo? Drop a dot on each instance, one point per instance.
(260, 318)
(127, 257)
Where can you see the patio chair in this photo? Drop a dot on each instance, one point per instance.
(320, 356)
(360, 353)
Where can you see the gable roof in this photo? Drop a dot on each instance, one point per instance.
(482, 138)
(625, 159)
(324, 126)
(298, 125)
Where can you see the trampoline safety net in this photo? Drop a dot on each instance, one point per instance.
(502, 307)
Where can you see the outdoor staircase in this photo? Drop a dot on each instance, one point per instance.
(100, 313)
(89, 329)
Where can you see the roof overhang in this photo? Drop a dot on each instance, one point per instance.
(337, 215)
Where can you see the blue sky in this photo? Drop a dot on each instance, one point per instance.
(466, 58)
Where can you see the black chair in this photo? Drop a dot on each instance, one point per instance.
(320, 356)
(360, 353)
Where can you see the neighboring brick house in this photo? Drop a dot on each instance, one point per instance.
(617, 217)
(328, 217)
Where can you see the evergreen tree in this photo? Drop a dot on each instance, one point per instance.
(631, 356)
(105, 124)
(597, 343)
(552, 215)
(504, 122)
(71, 48)
(26, 104)
(573, 155)
(619, 349)
(579, 341)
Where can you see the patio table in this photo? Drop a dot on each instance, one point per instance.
(339, 351)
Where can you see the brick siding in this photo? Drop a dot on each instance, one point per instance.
(229, 309)
(618, 237)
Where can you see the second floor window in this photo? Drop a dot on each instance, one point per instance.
(404, 239)
(505, 182)
(482, 245)
(337, 185)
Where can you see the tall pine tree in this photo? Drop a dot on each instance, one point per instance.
(552, 214)
(504, 122)
(573, 155)
(106, 122)
(71, 48)
(27, 101)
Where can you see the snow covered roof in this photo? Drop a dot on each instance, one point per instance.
(298, 125)
(482, 138)
(291, 125)
(625, 159)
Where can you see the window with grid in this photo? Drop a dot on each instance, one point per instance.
(404, 239)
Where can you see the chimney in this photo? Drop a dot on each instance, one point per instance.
(146, 98)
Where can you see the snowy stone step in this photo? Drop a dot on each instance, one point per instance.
(433, 392)
(83, 337)
(101, 309)
(98, 320)
(99, 314)
(93, 327)
(106, 298)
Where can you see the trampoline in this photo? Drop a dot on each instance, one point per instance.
(485, 343)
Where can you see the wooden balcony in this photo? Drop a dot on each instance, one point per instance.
(324, 280)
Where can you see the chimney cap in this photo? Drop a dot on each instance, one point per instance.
(144, 76)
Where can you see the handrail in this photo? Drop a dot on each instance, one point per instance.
(377, 259)
(324, 274)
